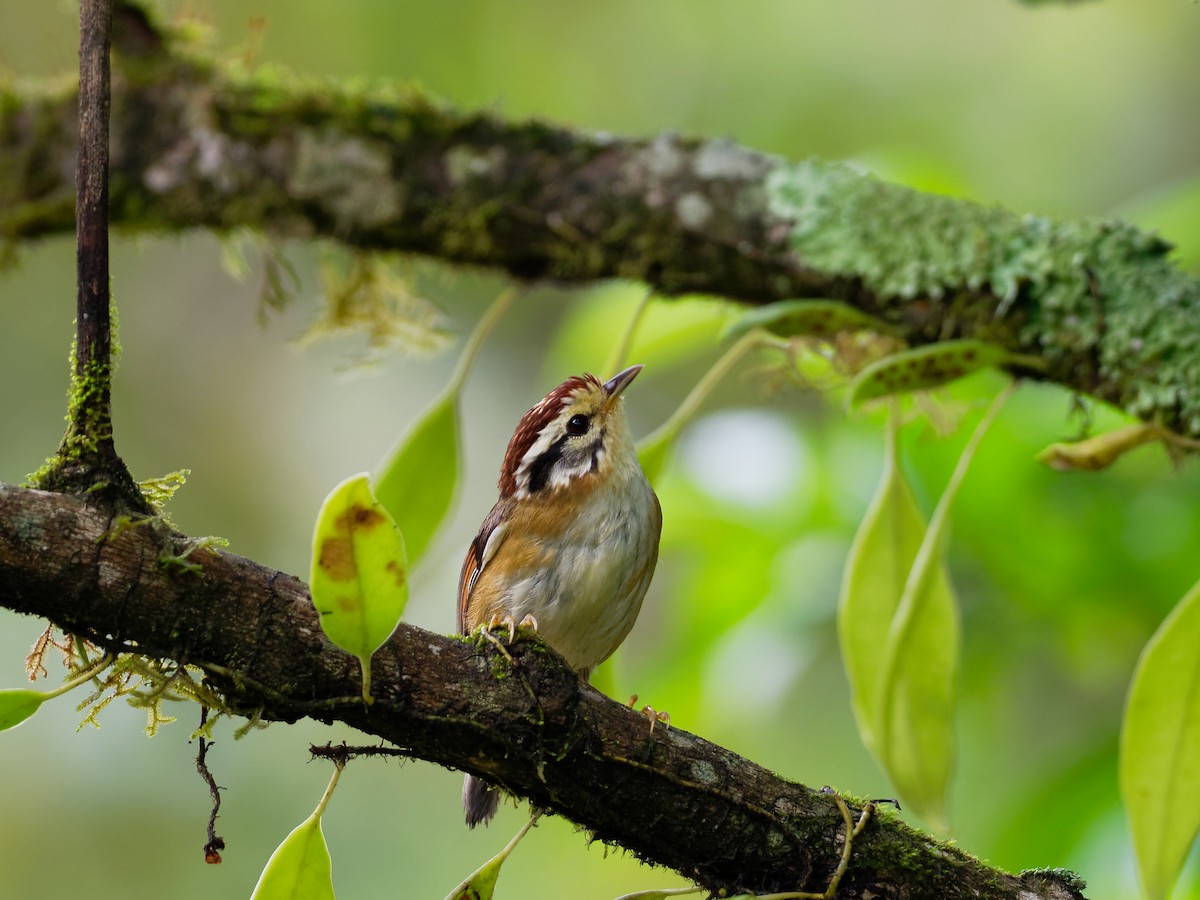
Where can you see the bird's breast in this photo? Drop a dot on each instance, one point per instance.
(578, 561)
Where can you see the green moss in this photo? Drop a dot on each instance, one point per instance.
(145, 684)
(180, 563)
(255, 102)
(159, 491)
(1097, 293)
(34, 125)
(88, 423)
(1065, 877)
(86, 461)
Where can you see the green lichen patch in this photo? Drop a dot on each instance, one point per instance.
(906, 244)
(1100, 293)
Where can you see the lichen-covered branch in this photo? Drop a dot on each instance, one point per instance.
(198, 145)
(668, 796)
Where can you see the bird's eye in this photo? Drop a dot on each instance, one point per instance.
(577, 425)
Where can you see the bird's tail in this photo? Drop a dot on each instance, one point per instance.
(480, 800)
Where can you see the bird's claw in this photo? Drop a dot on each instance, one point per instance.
(507, 622)
(653, 715)
(502, 621)
(495, 622)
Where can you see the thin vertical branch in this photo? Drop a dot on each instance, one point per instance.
(87, 459)
(93, 337)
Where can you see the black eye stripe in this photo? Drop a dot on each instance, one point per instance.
(539, 471)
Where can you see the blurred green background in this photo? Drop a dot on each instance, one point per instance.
(1086, 110)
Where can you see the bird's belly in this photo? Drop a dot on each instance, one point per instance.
(587, 597)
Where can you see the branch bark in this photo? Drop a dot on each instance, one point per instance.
(93, 335)
(668, 796)
(197, 145)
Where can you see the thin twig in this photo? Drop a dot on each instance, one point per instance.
(343, 753)
(215, 843)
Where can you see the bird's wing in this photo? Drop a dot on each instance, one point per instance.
(479, 554)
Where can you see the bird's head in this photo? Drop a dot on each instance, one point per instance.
(579, 428)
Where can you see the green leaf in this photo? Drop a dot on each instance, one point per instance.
(877, 567)
(898, 623)
(359, 576)
(19, 704)
(418, 479)
(898, 627)
(481, 884)
(1160, 743)
(811, 318)
(916, 717)
(926, 367)
(300, 867)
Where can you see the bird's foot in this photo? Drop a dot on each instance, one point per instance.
(508, 623)
(497, 622)
(652, 714)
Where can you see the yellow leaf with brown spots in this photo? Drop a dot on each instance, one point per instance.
(359, 576)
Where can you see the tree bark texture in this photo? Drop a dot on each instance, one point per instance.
(668, 796)
(197, 145)
(93, 341)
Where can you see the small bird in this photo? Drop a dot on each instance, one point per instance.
(573, 540)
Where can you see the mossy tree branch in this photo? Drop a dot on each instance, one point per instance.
(666, 795)
(199, 145)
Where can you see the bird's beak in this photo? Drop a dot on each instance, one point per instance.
(619, 382)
